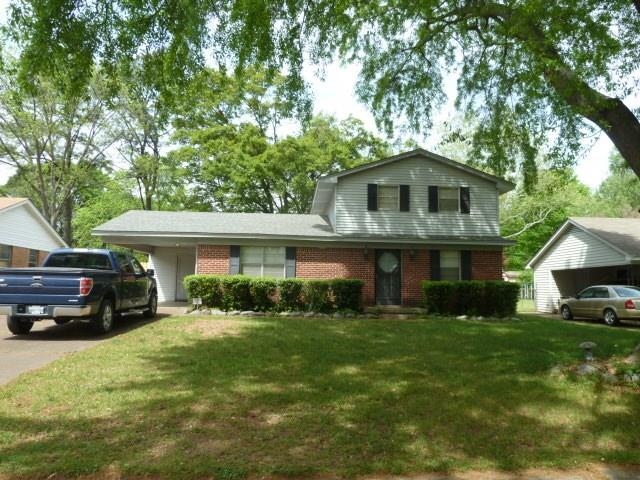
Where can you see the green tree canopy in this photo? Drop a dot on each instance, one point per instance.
(532, 217)
(619, 194)
(237, 167)
(528, 69)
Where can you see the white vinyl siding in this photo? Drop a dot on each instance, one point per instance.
(352, 216)
(575, 249)
(164, 260)
(262, 261)
(22, 228)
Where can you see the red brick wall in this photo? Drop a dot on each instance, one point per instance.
(20, 257)
(41, 256)
(313, 262)
(213, 259)
(327, 263)
(486, 265)
(415, 269)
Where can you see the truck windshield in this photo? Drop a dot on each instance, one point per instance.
(79, 260)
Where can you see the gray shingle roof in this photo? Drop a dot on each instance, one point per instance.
(622, 233)
(144, 223)
(216, 223)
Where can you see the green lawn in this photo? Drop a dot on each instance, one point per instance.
(206, 398)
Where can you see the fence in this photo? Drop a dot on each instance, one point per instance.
(527, 292)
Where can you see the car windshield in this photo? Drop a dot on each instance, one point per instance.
(77, 260)
(627, 291)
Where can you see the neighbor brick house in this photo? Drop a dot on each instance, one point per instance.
(392, 223)
(25, 235)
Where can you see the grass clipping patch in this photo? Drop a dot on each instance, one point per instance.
(212, 328)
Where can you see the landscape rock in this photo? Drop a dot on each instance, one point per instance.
(251, 313)
(462, 317)
(587, 369)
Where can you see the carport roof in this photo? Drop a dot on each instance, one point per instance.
(623, 234)
(216, 223)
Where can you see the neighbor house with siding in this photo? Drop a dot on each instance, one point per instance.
(25, 235)
(392, 223)
(586, 251)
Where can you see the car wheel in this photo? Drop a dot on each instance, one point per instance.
(19, 326)
(610, 317)
(152, 306)
(565, 311)
(102, 322)
(61, 321)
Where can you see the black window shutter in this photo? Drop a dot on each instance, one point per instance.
(465, 200)
(465, 264)
(372, 196)
(433, 198)
(234, 260)
(290, 263)
(404, 198)
(435, 265)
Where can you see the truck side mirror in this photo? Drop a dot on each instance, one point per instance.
(151, 272)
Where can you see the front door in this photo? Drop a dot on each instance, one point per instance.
(388, 277)
(186, 265)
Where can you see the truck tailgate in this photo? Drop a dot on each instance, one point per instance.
(40, 286)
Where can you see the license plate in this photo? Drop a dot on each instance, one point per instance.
(36, 310)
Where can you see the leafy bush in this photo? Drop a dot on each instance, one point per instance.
(290, 294)
(206, 287)
(347, 294)
(263, 292)
(317, 295)
(237, 292)
(487, 298)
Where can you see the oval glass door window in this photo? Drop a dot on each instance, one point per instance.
(388, 262)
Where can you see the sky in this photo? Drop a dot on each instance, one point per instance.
(335, 95)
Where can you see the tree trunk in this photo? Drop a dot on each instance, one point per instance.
(67, 218)
(623, 128)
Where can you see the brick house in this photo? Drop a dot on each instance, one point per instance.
(25, 235)
(392, 223)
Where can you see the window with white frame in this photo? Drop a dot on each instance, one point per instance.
(388, 197)
(263, 261)
(450, 265)
(5, 255)
(448, 199)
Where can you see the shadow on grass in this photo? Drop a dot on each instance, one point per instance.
(291, 397)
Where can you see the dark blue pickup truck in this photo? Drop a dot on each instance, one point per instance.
(92, 285)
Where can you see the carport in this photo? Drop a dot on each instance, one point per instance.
(586, 251)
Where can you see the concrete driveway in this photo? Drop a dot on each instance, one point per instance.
(47, 341)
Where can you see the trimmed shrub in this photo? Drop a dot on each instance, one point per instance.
(263, 292)
(237, 293)
(206, 287)
(290, 291)
(438, 296)
(347, 294)
(316, 295)
(486, 298)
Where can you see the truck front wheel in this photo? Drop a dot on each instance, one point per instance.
(19, 326)
(102, 322)
(152, 306)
